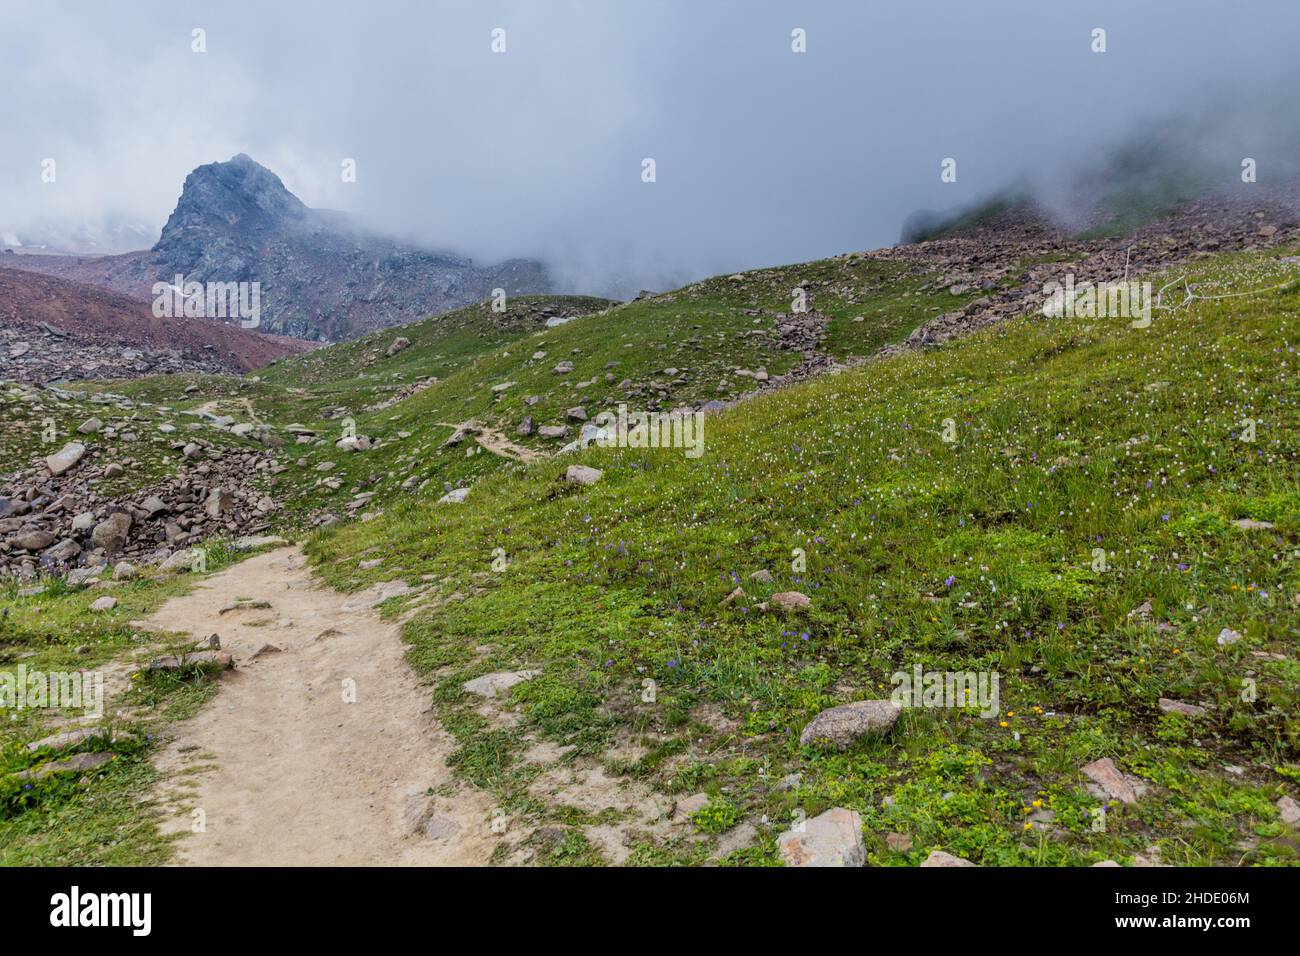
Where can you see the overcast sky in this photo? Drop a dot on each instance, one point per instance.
(763, 155)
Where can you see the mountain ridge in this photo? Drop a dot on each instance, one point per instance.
(322, 277)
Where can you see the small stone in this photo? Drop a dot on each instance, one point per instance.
(1168, 706)
(154, 505)
(583, 475)
(791, 600)
(1108, 782)
(105, 603)
(576, 414)
(940, 858)
(252, 542)
(735, 595)
(90, 426)
(763, 577)
(179, 562)
(833, 838)
(491, 685)
(1289, 811)
(114, 470)
(63, 552)
(1250, 524)
(220, 501)
(898, 842)
(77, 763)
(264, 650)
(124, 571)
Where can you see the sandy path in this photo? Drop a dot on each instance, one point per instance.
(495, 441)
(282, 768)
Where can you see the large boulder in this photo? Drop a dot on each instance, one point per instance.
(841, 727)
(833, 838)
(34, 539)
(111, 533)
(179, 563)
(63, 552)
(65, 458)
(13, 507)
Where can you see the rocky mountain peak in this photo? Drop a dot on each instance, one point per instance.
(239, 197)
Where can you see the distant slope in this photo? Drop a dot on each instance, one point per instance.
(321, 276)
(93, 326)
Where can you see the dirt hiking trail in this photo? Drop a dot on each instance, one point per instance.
(280, 768)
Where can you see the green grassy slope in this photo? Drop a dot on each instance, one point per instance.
(976, 555)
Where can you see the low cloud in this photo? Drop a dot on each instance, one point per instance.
(763, 156)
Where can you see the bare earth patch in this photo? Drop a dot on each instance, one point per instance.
(284, 769)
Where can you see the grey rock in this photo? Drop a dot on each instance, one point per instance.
(491, 685)
(111, 533)
(65, 458)
(63, 552)
(1168, 706)
(583, 475)
(1289, 811)
(840, 727)
(791, 600)
(220, 502)
(36, 539)
(179, 563)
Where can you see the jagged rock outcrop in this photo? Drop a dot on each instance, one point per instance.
(320, 275)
